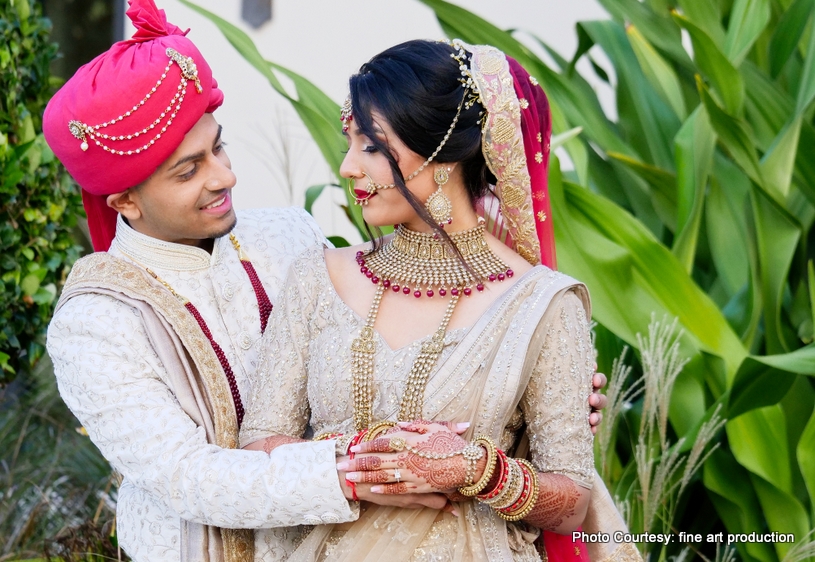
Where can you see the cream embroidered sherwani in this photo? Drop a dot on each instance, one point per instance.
(109, 375)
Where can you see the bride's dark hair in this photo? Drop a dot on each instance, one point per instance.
(415, 87)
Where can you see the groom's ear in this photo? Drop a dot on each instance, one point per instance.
(125, 203)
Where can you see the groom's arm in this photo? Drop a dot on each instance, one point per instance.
(112, 380)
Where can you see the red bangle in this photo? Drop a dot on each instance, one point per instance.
(527, 489)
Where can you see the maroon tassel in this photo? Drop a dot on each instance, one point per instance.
(264, 304)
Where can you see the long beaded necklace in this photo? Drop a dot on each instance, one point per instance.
(417, 260)
(264, 309)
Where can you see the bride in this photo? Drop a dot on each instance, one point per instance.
(456, 317)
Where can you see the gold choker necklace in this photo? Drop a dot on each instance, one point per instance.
(411, 259)
(419, 263)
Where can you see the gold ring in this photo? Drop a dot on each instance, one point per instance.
(397, 444)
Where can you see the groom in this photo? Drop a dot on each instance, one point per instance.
(154, 336)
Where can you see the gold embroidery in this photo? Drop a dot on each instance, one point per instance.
(541, 216)
(103, 271)
(524, 103)
(503, 149)
(538, 157)
(533, 81)
(540, 137)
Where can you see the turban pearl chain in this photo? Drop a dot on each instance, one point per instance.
(189, 71)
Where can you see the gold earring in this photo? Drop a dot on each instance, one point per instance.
(438, 204)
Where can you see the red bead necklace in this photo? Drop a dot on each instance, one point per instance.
(264, 309)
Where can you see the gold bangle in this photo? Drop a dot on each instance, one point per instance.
(377, 429)
(530, 502)
(492, 457)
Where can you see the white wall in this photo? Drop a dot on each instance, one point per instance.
(326, 41)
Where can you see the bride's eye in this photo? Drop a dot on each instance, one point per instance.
(370, 149)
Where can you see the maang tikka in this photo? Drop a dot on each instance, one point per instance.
(438, 204)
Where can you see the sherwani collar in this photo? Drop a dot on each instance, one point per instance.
(154, 253)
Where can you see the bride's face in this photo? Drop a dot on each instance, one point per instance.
(386, 206)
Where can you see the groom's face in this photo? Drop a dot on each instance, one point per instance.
(188, 199)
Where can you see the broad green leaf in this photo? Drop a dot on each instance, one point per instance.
(338, 241)
(757, 385)
(758, 439)
(726, 205)
(811, 286)
(662, 183)
(621, 262)
(694, 147)
(736, 502)
(788, 34)
(659, 30)
(649, 123)
(705, 14)
(801, 361)
(806, 460)
(734, 135)
(778, 163)
(747, 20)
(559, 140)
(714, 65)
(784, 513)
(312, 193)
(806, 90)
(777, 235)
(658, 72)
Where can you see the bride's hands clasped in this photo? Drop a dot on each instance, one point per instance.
(414, 458)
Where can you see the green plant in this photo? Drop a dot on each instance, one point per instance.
(696, 202)
(58, 493)
(39, 204)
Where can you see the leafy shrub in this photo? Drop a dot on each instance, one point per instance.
(39, 203)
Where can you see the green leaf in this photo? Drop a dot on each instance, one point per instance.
(811, 286)
(736, 502)
(757, 385)
(622, 262)
(650, 124)
(658, 72)
(788, 34)
(694, 147)
(806, 90)
(714, 65)
(733, 134)
(777, 235)
(806, 459)
(748, 18)
(30, 284)
(338, 241)
(559, 140)
(312, 193)
(758, 439)
(778, 163)
(705, 14)
(657, 29)
(784, 513)
(662, 183)
(726, 207)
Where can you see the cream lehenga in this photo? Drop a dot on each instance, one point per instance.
(521, 374)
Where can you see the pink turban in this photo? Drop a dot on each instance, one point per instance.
(125, 112)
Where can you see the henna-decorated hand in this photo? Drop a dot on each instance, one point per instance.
(401, 466)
